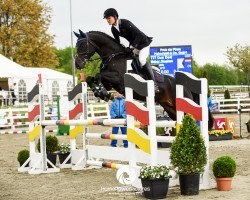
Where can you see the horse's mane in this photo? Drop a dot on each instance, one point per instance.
(105, 35)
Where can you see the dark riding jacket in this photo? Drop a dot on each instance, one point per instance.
(129, 31)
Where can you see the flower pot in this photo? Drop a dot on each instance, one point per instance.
(52, 158)
(220, 137)
(63, 156)
(155, 189)
(224, 184)
(189, 184)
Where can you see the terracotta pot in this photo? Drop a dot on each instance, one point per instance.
(224, 184)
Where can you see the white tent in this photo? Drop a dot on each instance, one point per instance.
(54, 82)
(10, 69)
(54, 79)
(51, 74)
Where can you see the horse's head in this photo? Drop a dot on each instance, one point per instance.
(84, 49)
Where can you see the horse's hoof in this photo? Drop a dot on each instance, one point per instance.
(111, 97)
(106, 99)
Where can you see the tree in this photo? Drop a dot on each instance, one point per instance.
(219, 75)
(93, 67)
(65, 60)
(23, 33)
(239, 57)
(65, 63)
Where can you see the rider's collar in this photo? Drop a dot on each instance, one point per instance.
(118, 22)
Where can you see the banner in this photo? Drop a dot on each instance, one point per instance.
(172, 58)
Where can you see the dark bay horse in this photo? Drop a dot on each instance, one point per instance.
(114, 58)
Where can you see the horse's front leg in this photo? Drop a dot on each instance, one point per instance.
(115, 80)
(92, 84)
(104, 94)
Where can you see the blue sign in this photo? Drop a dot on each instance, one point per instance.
(172, 58)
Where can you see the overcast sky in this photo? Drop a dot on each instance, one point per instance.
(210, 26)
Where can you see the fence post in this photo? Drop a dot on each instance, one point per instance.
(11, 119)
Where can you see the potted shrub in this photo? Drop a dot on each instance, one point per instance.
(64, 151)
(22, 156)
(224, 169)
(51, 148)
(227, 94)
(188, 156)
(155, 181)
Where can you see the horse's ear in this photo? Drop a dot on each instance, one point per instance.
(76, 34)
(82, 34)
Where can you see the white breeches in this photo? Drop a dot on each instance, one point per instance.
(143, 54)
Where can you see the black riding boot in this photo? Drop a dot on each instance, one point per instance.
(148, 70)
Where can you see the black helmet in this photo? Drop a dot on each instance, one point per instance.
(110, 12)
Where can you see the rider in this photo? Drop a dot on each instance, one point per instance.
(138, 41)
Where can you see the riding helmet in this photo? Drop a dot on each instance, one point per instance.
(110, 12)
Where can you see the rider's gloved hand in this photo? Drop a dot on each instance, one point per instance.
(135, 51)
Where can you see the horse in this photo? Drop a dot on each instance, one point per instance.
(114, 58)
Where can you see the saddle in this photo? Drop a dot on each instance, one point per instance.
(137, 68)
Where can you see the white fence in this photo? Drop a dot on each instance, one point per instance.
(231, 105)
(236, 91)
(15, 120)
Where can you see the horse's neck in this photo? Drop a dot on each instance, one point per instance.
(106, 45)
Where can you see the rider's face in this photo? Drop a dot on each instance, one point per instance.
(111, 20)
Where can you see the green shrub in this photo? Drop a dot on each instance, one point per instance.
(23, 155)
(188, 151)
(224, 167)
(227, 94)
(51, 144)
(154, 172)
(208, 92)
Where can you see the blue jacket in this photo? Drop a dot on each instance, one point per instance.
(210, 104)
(118, 108)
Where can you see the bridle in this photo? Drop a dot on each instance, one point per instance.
(89, 43)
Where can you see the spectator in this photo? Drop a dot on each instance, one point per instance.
(210, 103)
(117, 111)
(3, 95)
(13, 91)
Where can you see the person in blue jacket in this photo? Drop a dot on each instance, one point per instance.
(117, 111)
(210, 103)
